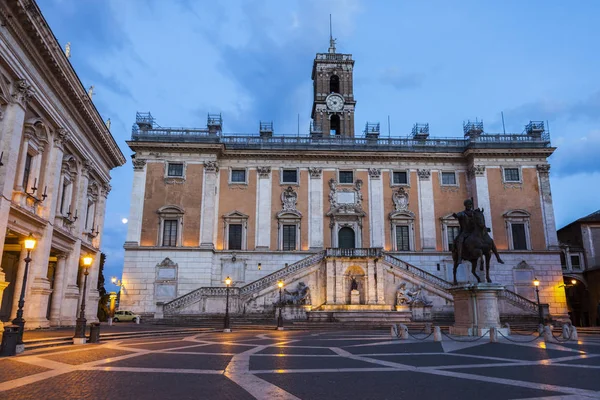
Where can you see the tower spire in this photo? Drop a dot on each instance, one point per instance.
(331, 39)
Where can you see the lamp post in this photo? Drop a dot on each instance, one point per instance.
(29, 245)
(226, 327)
(536, 283)
(280, 318)
(80, 325)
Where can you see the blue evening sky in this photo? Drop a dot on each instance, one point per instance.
(430, 61)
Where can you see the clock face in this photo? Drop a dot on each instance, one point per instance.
(335, 102)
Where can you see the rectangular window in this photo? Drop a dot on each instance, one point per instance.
(511, 175)
(518, 236)
(27, 171)
(400, 177)
(238, 176)
(346, 177)
(289, 237)
(169, 232)
(575, 263)
(402, 242)
(235, 237)
(452, 232)
(289, 176)
(175, 169)
(448, 178)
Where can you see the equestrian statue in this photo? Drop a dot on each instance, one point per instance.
(473, 242)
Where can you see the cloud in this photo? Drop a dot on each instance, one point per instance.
(401, 80)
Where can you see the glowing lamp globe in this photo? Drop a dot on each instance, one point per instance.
(30, 242)
(228, 281)
(87, 261)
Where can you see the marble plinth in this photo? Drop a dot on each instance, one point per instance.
(476, 309)
(403, 307)
(354, 297)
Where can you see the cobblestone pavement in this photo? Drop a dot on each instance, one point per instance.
(306, 365)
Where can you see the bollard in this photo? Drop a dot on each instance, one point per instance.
(566, 332)
(9, 340)
(507, 326)
(541, 329)
(493, 335)
(403, 331)
(394, 331)
(95, 332)
(428, 328)
(110, 321)
(137, 320)
(437, 334)
(574, 333)
(548, 334)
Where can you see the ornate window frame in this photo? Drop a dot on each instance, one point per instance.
(520, 217)
(288, 218)
(170, 212)
(402, 218)
(393, 171)
(235, 217)
(69, 176)
(246, 174)
(446, 221)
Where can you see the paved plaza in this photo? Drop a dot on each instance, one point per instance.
(306, 365)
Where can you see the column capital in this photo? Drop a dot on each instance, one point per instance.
(424, 174)
(138, 164)
(22, 92)
(543, 168)
(374, 173)
(211, 166)
(86, 169)
(105, 190)
(263, 172)
(315, 172)
(62, 138)
(476, 170)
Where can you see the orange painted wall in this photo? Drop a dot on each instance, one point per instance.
(413, 206)
(187, 195)
(527, 198)
(447, 202)
(240, 198)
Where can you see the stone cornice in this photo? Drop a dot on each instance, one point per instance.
(26, 23)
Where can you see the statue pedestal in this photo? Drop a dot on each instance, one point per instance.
(354, 297)
(421, 312)
(476, 309)
(403, 307)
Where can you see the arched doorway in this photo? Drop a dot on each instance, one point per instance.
(346, 238)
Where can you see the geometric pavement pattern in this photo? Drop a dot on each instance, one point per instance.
(306, 365)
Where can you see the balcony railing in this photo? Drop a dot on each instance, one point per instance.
(366, 252)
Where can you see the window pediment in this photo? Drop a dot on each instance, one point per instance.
(171, 209)
(402, 215)
(517, 214)
(289, 214)
(449, 219)
(235, 215)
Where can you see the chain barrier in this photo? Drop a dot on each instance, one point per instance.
(512, 332)
(467, 341)
(413, 336)
(519, 341)
(559, 339)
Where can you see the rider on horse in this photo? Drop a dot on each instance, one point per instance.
(465, 219)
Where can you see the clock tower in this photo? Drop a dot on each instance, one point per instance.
(333, 102)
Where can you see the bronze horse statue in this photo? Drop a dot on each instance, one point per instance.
(477, 246)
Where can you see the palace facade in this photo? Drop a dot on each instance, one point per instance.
(329, 208)
(55, 157)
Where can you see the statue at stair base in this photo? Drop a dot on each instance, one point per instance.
(476, 309)
(414, 300)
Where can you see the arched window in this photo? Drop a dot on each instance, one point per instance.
(334, 125)
(334, 84)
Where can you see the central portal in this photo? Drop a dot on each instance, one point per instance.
(346, 238)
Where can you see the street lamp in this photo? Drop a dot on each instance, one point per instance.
(280, 318)
(226, 327)
(536, 283)
(29, 245)
(79, 337)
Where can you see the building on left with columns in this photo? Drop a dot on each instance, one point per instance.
(56, 155)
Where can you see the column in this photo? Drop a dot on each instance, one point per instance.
(52, 177)
(58, 292)
(136, 207)
(371, 288)
(10, 141)
(426, 210)
(479, 184)
(19, 283)
(380, 283)
(315, 208)
(547, 207)
(39, 291)
(81, 199)
(376, 213)
(330, 262)
(69, 309)
(263, 208)
(209, 205)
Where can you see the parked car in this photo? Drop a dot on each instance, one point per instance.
(121, 316)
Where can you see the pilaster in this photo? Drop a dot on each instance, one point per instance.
(263, 208)
(547, 206)
(58, 291)
(371, 287)
(427, 212)
(315, 208)
(136, 208)
(209, 205)
(330, 280)
(380, 283)
(479, 184)
(376, 212)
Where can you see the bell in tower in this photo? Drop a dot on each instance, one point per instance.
(333, 101)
